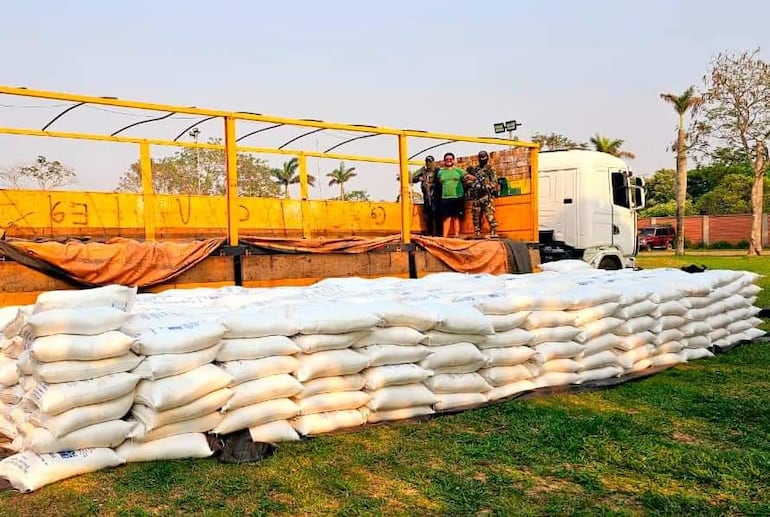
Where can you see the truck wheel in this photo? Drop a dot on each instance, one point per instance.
(610, 263)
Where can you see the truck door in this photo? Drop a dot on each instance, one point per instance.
(557, 204)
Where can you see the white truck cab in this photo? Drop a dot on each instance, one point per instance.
(587, 208)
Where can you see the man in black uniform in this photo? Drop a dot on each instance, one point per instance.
(482, 189)
(426, 176)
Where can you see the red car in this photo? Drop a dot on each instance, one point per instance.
(657, 237)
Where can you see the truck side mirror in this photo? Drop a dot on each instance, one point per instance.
(638, 190)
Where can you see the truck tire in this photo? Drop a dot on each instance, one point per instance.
(610, 263)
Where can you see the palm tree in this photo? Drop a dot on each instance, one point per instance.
(610, 146)
(681, 103)
(340, 176)
(287, 175)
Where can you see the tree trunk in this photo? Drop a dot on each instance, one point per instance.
(342, 192)
(757, 200)
(681, 185)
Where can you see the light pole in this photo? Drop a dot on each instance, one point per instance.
(509, 125)
(194, 132)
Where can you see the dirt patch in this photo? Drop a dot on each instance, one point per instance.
(685, 438)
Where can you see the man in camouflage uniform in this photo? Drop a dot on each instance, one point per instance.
(483, 188)
(426, 177)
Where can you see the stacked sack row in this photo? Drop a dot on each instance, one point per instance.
(138, 378)
(12, 320)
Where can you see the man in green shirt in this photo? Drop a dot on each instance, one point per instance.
(452, 204)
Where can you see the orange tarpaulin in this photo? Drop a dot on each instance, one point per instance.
(116, 261)
(467, 256)
(340, 245)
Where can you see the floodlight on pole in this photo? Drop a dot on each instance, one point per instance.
(499, 127)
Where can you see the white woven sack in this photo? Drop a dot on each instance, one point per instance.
(629, 358)
(665, 336)
(452, 401)
(440, 338)
(599, 374)
(642, 308)
(152, 419)
(154, 367)
(53, 399)
(330, 363)
(510, 389)
(635, 326)
(379, 355)
(507, 356)
(672, 347)
(667, 359)
(273, 432)
(256, 414)
(601, 343)
(391, 336)
(397, 314)
(457, 383)
(671, 308)
(398, 414)
(598, 328)
(635, 340)
(69, 371)
(337, 401)
(508, 338)
(352, 382)
(267, 388)
(394, 375)
(171, 392)
(105, 434)
(238, 349)
(458, 319)
(84, 416)
(243, 371)
(539, 319)
(331, 318)
(556, 350)
(502, 375)
(69, 347)
(553, 334)
(559, 365)
(555, 379)
(396, 397)
(113, 296)
(691, 354)
(87, 322)
(250, 323)
(311, 343)
(179, 339)
(201, 424)
(181, 446)
(28, 471)
(598, 360)
(588, 315)
(320, 423)
(9, 373)
(457, 358)
(11, 321)
(503, 322)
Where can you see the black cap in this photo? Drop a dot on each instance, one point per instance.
(429, 158)
(483, 155)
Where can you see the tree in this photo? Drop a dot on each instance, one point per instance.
(736, 114)
(555, 141)
(660, 187)
(43, 174)
(611, 146)
(288, 175)
(731, 196)
(724, 161)
(202, 172)
(340, 176)
(357, 195)
(681, 104)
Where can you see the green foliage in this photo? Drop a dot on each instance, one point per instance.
(202, 172)
(288, 175)
(340, 176)
(611, 146)
(660, 187)
(555, 141)
(357, 195)
(667, 209)
(731, 196)
(42, 174)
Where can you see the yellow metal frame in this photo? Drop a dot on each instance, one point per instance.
(231, 150)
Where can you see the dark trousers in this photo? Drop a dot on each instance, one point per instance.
(431, 220)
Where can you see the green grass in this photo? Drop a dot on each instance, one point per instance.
(693, 440)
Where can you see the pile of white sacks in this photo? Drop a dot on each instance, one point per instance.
(95, 378)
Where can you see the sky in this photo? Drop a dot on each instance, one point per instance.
(576, 68)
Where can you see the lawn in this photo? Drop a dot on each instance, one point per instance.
(691, 440)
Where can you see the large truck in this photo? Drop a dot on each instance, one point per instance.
(587, 208)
